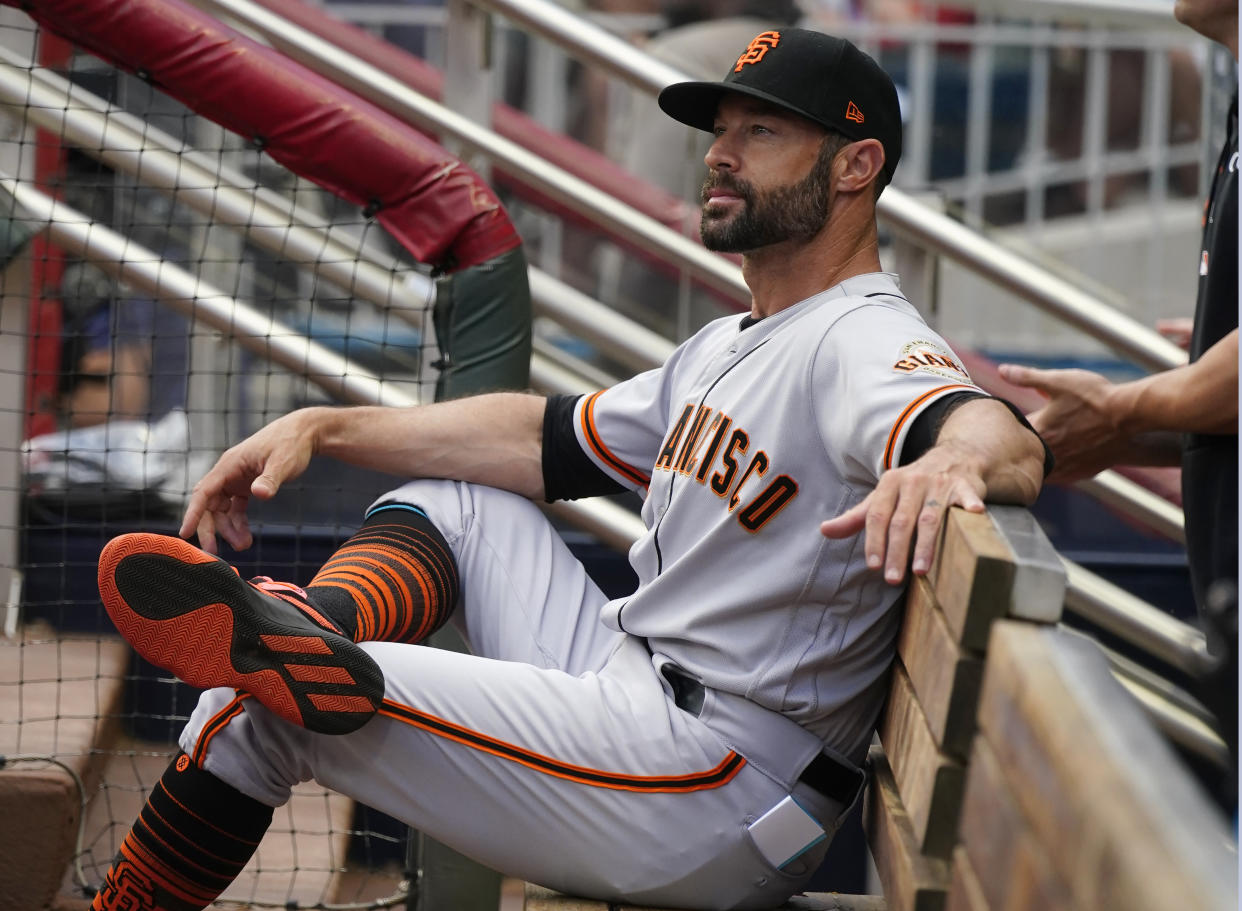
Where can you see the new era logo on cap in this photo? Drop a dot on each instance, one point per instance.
(759, 45)
(852, 113)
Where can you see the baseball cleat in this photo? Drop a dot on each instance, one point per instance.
(190, 613)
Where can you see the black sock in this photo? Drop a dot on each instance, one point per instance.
(190, 841)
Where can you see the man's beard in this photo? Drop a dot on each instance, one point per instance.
(795, 212)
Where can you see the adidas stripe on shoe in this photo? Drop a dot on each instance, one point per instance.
(190, 613)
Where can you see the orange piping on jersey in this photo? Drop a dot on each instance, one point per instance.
(214, 725)
(695, 781)
(597, 446)
(901, 420)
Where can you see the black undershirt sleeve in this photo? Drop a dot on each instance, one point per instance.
(926, 427)
(568, 473)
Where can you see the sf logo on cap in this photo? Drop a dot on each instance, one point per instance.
(759, 45)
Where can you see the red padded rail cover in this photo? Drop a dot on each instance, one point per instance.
(432, 204)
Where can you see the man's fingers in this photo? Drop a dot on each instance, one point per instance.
(233, 525)
(193, 515)
(265, 485)
(206, 529)
(930, 518)
(1016, 374)
(1044, 381)
(898, 529)
(881, 508)
(848, 523)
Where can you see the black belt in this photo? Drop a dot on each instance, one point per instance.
(829, 776)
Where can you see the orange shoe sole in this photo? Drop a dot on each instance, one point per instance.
(190, 613)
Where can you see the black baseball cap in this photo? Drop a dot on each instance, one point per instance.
(823, 78)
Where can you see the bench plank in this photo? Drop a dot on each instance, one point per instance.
(995, 564)
(929, 780)
(965, 893)
(971, 575)
(946, 677)
(1123, 824)
(911, 881)
(1011, 869)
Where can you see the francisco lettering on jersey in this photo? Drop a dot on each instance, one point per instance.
(929, 357)
(705, 445)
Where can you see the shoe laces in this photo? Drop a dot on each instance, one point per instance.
(274, 587)
(293, 594)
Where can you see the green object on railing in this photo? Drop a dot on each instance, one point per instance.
(482, 319)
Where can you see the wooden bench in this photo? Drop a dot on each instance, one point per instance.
(1012, 771)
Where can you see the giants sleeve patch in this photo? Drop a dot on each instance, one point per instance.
(923, 356)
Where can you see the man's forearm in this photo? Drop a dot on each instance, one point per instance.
(1198, 398)
(491, 439)
(1008, 457)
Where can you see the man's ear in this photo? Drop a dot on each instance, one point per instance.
(860, 164)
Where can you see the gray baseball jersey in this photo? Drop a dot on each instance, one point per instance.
(743, 442)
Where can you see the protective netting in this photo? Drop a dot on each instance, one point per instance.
(126, 275)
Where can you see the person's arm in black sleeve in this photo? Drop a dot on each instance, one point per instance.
(568, 473)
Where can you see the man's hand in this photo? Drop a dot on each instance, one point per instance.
(255, 467)
(1080, 423)
(908, 506)
(981, 451)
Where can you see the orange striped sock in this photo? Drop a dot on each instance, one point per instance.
(395, 580)
(190, 841)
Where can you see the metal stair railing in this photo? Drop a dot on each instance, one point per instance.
(1133, 620)
(581, 38)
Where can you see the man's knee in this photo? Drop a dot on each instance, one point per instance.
(454, 506)
(247, 746)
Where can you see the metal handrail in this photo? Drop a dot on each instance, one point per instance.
(156, 159)
(610, 332)
(587, 41)
(197, 300)
(1116, 611)
(267, 339)
(613, 524)
(398, 99)
(910, 218)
